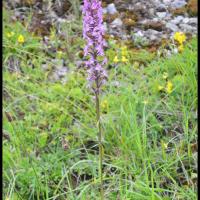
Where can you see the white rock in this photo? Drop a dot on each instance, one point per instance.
(177, 20)
(180, 17)
(161, 14)
(155, 19)
(172, 26)
(167, 2)
(187, 28)
(165, 36)
(139, 34)
(151, 11)
(104, 11)
(152, 32)
(117, 22)
(111, 9)
(186, 20)
(178, 3)
(193, 20)
(153, 37)
(161, 7)
(168, 17)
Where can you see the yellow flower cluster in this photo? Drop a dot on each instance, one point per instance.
(136, 65)
(160, 87)
(10, 34)
(164, 145)
(60, 54)
(165, 75)
(169, 85)
(124, 55)
(115, 60)
(21, 39)
(124, 51)
(124, 59)
(180, 48)
(180, 38)
(104, 105)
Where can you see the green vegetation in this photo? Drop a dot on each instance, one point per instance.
(149, 119)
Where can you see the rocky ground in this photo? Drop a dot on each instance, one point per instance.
(145, 23)
(149, 22)
(140, 23)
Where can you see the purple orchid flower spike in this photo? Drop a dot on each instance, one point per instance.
(93, 32)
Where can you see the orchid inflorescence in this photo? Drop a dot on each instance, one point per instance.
(93, 32)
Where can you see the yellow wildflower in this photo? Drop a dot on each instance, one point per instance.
(160, 88)
(180, 37)
(136, 65)
(165, 75)
(124, 59)
(10, 34)
(115, 60)
(124, 51)
(165, 145)
(124, 48)
(104, 105)
(169, 87)
(180, 48)
(59, 53)
(21, 39)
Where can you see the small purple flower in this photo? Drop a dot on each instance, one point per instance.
(93, 32)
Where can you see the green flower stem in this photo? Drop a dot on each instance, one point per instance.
(99, 139)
